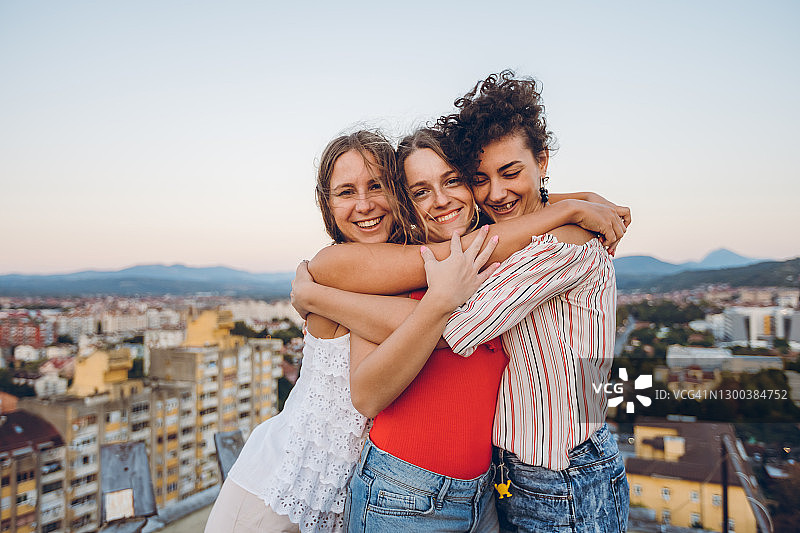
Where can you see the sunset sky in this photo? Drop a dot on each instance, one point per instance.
(188, 132)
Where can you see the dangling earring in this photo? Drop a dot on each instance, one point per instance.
(476, 217)
(542, 191)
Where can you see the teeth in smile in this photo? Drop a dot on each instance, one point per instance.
(448, 216)
(504, 207)
(368, 223)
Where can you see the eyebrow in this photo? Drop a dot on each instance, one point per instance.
(507, 165)
(423, 182)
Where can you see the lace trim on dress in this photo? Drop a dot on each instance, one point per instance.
(326, 435)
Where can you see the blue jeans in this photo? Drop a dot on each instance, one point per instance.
(388, 494)
(590, 495)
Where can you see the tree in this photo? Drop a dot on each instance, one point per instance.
(243, 330)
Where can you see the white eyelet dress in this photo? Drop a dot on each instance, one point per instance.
(300, 461)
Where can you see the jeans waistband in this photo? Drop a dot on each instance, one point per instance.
(599, 446)
(597, 442)
(418, 479)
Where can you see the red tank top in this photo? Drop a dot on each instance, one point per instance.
(443, 420)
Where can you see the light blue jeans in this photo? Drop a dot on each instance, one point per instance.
(590, 495)
(387, 494)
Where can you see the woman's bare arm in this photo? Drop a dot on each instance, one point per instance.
(380, 373)
(393, 269)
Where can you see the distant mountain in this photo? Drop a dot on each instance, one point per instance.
(150, 279)
(638, 270)
(764, 274)
(721, 258)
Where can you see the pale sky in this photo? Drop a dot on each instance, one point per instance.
(188, 132)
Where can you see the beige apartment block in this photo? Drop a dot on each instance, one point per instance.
(32, 475)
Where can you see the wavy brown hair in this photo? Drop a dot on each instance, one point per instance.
(384, 169)
(500, 105)
(421, 139)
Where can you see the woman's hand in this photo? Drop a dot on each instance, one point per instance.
(451, 282)
(301, 282)
(608, 220)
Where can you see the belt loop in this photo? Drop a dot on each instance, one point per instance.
(595, 438)
(364, 453)
(440, 497)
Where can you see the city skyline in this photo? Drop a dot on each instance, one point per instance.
(164, 134)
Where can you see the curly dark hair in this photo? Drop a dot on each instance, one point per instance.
(500, 105)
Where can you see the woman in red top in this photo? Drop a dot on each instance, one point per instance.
(427, 463)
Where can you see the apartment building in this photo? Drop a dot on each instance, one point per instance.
(676, 474)
(160, 415)
(32, 475)
(233, 379)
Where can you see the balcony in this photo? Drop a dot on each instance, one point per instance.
(54, 475)
(141, 435)
(83, 490)
(88, 527)
(83, 508)
(209, 387)
(85, 470)
(51, 455)
(209, 402)
(53, 512)
(139, 416)
(85, 431)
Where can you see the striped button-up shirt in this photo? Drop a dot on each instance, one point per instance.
(555, 306)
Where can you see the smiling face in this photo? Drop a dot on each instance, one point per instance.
(507, 182)
(358, 203)
(444, 202)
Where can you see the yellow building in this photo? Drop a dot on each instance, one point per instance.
(676, 473)
(98, 371)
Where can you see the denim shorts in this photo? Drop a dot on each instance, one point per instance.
(590, 495)
(387, 494)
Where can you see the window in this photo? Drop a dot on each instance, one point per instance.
(694, 496)
(637, 490)
(665, 493)
(731, 525)
(696, 521)
(50, 487)
(52, 526)
(665, 516)
(716, 500)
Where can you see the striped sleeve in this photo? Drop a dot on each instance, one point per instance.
(543, 269)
